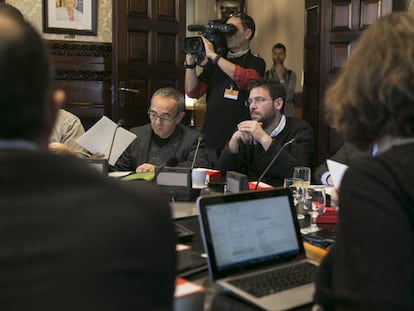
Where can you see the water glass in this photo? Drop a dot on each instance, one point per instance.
(296, 187)
(303, 173)
(315, 204)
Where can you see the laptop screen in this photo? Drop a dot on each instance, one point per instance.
(249, 229)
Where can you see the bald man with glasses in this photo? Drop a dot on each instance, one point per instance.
(256, 142)
(164, 137)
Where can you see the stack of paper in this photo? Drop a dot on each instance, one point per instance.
(99, 138)
(337, 171)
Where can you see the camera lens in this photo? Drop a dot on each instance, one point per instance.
(193, 45)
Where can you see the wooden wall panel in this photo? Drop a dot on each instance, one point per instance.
(340, 23)
(84, 71)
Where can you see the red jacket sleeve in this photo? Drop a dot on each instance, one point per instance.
(199, 90)
(242, 76)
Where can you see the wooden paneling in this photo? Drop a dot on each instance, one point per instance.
(332, 29)
(148, 53)
(84, 71)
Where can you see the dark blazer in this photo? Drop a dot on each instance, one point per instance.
(370, 266)
(345, 155)
(182, 145)
(72, 239)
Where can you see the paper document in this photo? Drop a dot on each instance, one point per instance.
(99, 138)
(337, 171)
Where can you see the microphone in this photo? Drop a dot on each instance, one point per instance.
(196, 151)
(120, 123)
(195, 27)
(170, 162)
(273, 161)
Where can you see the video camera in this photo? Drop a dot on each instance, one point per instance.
(215, 32)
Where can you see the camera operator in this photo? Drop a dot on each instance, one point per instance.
(224, 81)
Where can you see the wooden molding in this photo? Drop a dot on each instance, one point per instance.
(83, 75)
(83, 49)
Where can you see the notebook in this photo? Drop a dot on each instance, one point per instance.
(255, 234)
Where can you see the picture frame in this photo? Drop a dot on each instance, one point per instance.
(60, 17)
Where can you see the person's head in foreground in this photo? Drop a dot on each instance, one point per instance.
(25, 77)
(370, 266)
(373, 98)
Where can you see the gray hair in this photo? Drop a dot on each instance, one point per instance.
(170, 92)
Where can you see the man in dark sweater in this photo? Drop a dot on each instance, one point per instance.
(257, 141)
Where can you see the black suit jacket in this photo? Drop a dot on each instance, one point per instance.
(182, 145)
(346, 154)
(72, 239)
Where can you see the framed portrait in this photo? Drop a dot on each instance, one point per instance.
(75, 17)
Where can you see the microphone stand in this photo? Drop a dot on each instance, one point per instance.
(118, 125)
(196, 152)
(272, 161)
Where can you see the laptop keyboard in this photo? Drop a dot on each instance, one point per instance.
(274, 281)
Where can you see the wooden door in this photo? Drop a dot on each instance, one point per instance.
(148, 54)
(331, 30)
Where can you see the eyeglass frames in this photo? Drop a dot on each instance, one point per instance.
(256, 100)
(162, 117)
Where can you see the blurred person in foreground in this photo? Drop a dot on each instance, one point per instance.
(371, 266)
(68, 127)
(71, 239)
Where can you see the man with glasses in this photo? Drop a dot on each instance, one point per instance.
(256, 142)
(224, 81)
(164, 138)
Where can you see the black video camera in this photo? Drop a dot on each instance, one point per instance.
(215, 32)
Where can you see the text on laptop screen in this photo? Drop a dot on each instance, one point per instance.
(251, 231)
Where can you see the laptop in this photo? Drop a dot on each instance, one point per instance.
(256, 234)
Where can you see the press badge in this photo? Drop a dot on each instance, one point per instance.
(231, 94)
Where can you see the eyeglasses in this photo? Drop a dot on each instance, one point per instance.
(162, 117)
(257, 100)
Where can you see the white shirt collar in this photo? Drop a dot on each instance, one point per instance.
(279, 127)
(230, 54)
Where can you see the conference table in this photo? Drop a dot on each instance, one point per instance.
(185, 214)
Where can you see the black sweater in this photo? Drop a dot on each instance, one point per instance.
(371, 266)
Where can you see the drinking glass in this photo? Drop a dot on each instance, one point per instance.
(303, 173)
(315, 204)
(296, 187)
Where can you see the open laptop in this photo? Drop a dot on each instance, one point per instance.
(256, 234)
